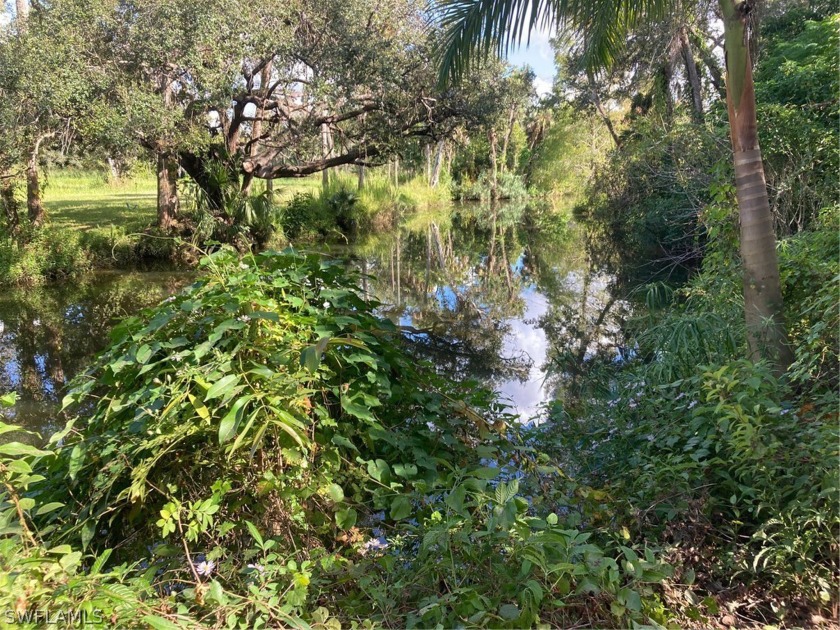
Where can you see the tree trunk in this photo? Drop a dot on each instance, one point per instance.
(34, 204)
(361, 176)
(113, 170)
(167, 190)
(693, 76)
(10, 204)
(494, 182)
(596, 101)
(434, 179)
(326, 149)
(763, 306)
(256, 129)
(22, 8)
(711, 63)
(506, 142)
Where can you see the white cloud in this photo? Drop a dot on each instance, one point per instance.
(543, 86)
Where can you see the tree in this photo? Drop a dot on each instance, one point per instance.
(44, 84)
(232, 92)
(481, 25)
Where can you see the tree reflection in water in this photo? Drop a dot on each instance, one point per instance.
(505, 294)
(500, 293)
(47, 334)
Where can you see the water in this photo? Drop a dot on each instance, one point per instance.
(49, 334)
(506, 296)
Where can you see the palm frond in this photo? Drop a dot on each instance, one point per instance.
(474, 28)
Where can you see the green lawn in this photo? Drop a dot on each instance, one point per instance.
(86, 201)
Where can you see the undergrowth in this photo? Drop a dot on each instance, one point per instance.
(262, 450)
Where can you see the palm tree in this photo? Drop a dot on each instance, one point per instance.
(475, 27)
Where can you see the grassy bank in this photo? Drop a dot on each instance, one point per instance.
(96, 222)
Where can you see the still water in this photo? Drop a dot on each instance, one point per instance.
(506, 296)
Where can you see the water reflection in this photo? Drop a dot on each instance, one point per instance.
(48, 334)
(501, 293)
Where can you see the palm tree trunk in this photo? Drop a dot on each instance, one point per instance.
(763, 306)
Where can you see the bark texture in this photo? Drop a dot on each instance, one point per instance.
(763, 306)
(167, 190)
(693, 76)
(434, 178)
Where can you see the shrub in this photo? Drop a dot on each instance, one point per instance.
(510, 186)
(43, 254)
(733, 467)
(272, 450)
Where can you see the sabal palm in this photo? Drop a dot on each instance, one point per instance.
(475, 27)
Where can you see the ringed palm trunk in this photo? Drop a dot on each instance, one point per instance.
(766, 333)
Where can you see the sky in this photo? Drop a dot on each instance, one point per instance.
(540, 57)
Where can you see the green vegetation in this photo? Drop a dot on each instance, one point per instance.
(275, 447)
(291, 459)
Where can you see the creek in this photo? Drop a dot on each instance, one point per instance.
(504, 295)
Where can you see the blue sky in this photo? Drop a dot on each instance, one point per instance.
(539, 56)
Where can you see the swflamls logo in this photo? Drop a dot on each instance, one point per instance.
(45, 617)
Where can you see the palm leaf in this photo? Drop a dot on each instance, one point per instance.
(474, 28)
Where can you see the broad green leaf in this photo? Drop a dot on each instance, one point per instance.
(228, 425)
(16, 449)
(336, 493)
(455, 499)
(61, 549)
(379, 470)
(255, 533)
(48, 507)
(400, 508)
(222, 387)
(346, 519)
(509, 611)
(199, 407)
(20, 466)
(310, 358)
(217, 593)
(160, 623)
(144, 353)
(406, 471)
(485, 472)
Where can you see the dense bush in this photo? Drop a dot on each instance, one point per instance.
(712, 454)
(342, 210)
(797, 82)
(510, 186)
(41, 254)
(267, 449)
